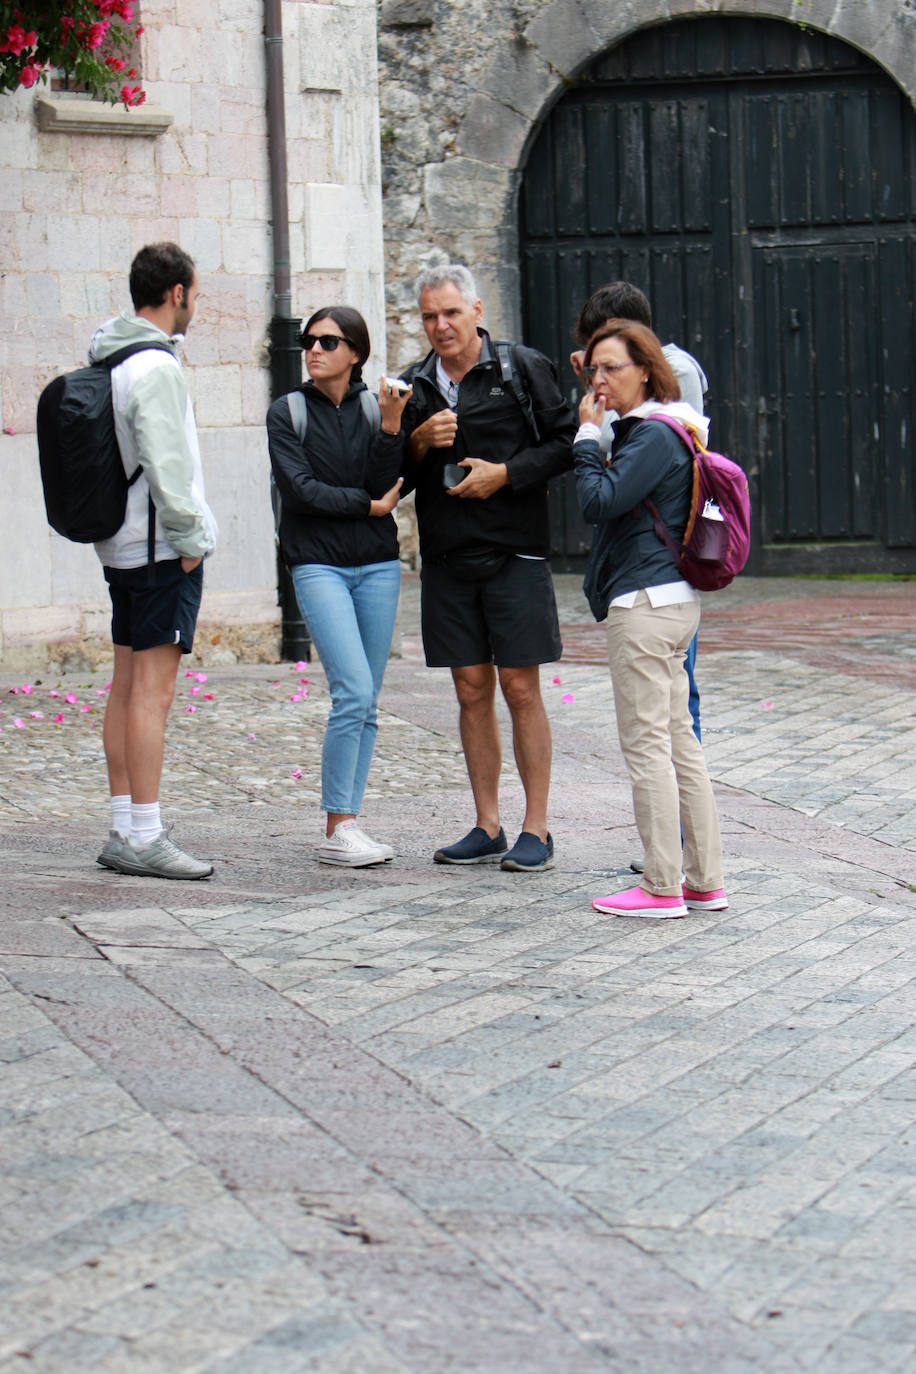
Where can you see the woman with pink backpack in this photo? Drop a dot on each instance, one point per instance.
(635, 581)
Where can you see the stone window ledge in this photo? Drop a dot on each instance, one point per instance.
(72, 114)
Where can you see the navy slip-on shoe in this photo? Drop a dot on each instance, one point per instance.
(529, 854)
(475, 848)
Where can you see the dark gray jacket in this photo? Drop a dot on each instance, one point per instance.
(648, 459)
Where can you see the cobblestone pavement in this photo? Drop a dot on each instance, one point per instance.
(415, 1120)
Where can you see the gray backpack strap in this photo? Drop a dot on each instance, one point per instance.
(371, 411)
(299, 414)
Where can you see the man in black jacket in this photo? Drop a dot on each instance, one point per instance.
(483, 446)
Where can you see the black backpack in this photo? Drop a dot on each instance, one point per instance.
(85, 485)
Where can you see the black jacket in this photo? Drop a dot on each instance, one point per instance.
(491, 426)
(326, 486)
(647, 459)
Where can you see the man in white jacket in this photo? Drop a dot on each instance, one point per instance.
(154, 603)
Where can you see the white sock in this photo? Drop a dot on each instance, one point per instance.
(145, 824)
(120, 814)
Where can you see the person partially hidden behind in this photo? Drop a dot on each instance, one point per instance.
(154, 606)
(480, 466)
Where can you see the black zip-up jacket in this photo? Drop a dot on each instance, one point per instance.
(326, 485)
(490, 426)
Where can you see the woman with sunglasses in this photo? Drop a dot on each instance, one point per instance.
(652, 614)
(338, 487)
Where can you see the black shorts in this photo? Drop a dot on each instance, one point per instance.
(145, 615)
(510, 619)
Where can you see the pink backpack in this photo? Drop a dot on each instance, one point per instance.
(717, 536)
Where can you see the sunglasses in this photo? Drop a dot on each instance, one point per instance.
(328, 341)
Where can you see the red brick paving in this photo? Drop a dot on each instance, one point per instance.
(871, 634)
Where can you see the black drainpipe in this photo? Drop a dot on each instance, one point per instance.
(285, 349)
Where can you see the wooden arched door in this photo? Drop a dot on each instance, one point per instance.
(758, 181)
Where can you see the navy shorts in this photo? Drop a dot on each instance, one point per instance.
(145, 614)
(509, 619)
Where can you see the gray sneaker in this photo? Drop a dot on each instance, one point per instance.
(161, 858)
(112, 850)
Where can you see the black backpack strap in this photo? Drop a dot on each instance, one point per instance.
(122, 354)
(512, 380)
(151, 545)
(112, 361)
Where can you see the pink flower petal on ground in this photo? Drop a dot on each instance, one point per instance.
(201, 677)
(37, 715)
(558, 682)
(7, 429)
(766, 705)
(301, 666)
(19, 724)
(54, 694)
(71, 697)
(295, 772)
(305, 682)
(251, 739)
(208, 696)
(26, 688)
(189, 710)
(275, 684)
(58, 718)
(189, 672)
(84, 709)
(568, 697)
(193, 691)
(100, 691)
(108, 686)
(297, 697)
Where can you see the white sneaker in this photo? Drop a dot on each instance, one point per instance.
(376, 844)
(351, 848)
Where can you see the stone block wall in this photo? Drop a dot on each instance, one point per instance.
(83, 186)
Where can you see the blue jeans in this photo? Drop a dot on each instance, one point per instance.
(694, 700)
(350, 613)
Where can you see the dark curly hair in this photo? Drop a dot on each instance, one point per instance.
(155, 270)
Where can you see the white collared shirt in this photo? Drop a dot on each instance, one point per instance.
(446, 386)
(668, 594)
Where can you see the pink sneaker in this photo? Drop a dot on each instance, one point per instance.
(636, 901)
(706, 901)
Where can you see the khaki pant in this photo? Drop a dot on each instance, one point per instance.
(671, 788)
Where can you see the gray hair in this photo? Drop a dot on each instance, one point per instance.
(443, 273)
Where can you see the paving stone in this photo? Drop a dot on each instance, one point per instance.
(419, 1119)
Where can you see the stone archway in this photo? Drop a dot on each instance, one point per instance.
(464, 90)
(753, 179)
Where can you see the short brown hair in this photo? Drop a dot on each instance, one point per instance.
(644, 348)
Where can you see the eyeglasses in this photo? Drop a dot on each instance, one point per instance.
(606, 369)
(328, 341)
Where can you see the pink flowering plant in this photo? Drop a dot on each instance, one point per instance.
(81, 38)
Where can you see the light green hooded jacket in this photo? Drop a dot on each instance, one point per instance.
(154, 422)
